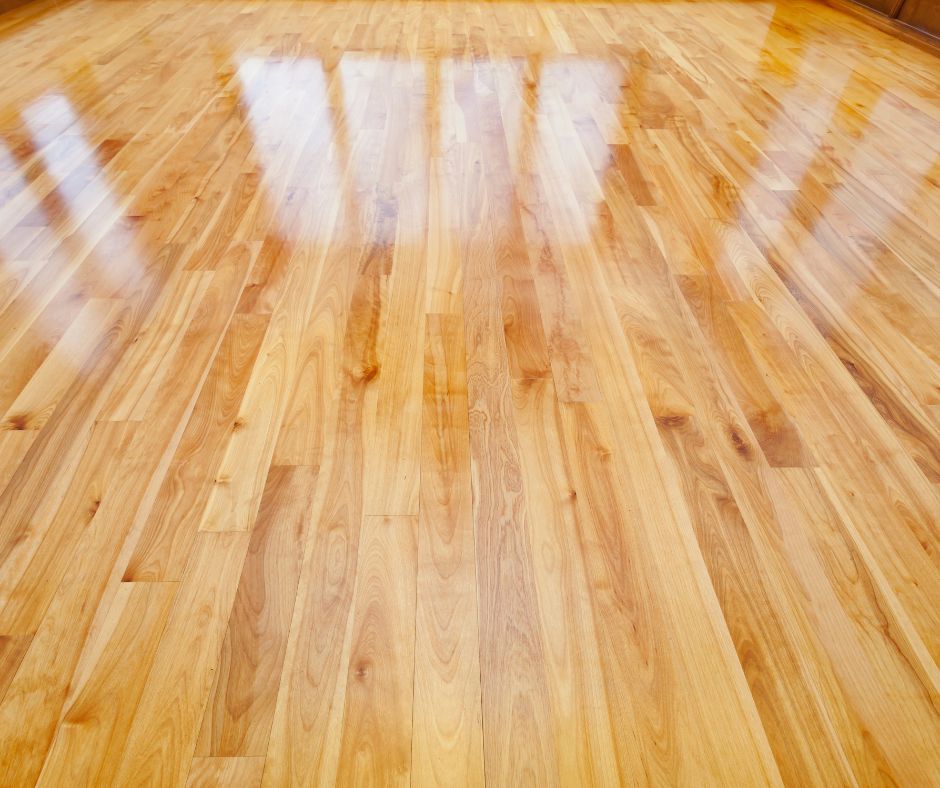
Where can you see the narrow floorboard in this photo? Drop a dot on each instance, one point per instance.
(399, 392)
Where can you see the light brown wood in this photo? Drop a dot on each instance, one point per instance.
(90, 740)
(447, 732)
(468, 393)
(376, 731)
(218, 772)
(238, 717)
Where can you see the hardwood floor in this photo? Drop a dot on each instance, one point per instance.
(475, 392)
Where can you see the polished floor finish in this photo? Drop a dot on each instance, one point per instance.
(519, 393)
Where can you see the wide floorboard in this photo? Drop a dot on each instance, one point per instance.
(519, 393)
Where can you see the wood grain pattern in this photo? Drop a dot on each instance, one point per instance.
(241, 707)
(167, 536)
(376, 733)
(233, 772)
(162, 737)
(447, 735)
(90, 740)
(468, 393)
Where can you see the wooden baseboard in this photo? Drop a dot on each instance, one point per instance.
(41, 6)
(895, 27)
(9, 5)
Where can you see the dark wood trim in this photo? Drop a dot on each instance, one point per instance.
(9, 5)
(29, 11)
(896, 8)
(895, 27)
(41, 5)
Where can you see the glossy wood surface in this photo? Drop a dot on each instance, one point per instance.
(457, 393)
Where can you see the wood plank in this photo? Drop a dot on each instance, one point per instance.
(154, 346)
(35, 565)
(393, 430)
(516, 716)
(305, 736)
(235, 497)
(584, 734)
(239, 480)
(219, 772)
(447, 743)
(572, 369)
(162, 736)
(240, 710)
(376, 732)
(90, 738)
(778, 437)
(13, 447)
(898, 539)
(661, 521)
(167, 536)
(36, 401)
(838, 586)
